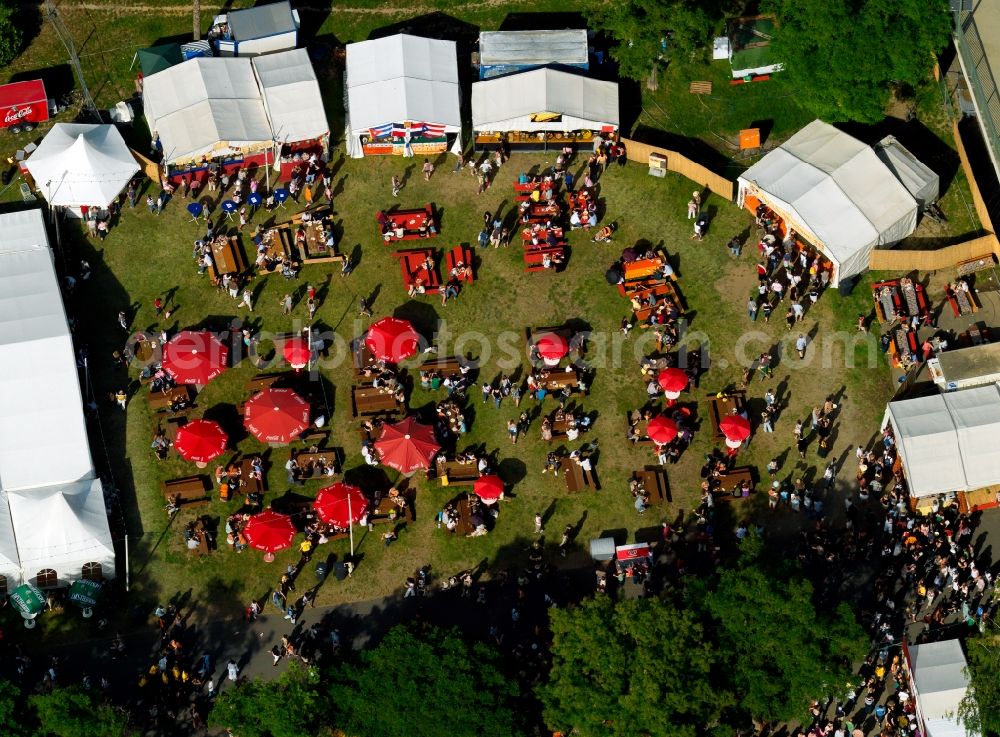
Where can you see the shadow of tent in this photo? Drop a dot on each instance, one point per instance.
(368, 478)
(421, 315)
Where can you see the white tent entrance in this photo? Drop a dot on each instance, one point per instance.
(835, 192)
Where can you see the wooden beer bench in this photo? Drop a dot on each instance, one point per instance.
(367, 401)
(187, 490)
(463, 254)
(161, 401)
(721, 407)
(654, 481)
(411, 266)
(731, 481)
(413, 223)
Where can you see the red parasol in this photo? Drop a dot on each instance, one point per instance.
(341, 504)
(270, 532)
(391, 339)
(201, 441)
(735, 428)
(276, 415)
(672, 380)
(194, 357)
(551, 346)
(489, 488)
(407, 446)
(661, 430)
(297, 352)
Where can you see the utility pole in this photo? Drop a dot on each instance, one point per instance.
(197, 20)
(53, 15)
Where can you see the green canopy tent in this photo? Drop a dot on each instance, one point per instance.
(157, 58)
(29, 601)
(86, 594)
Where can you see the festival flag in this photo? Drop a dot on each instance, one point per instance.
(433, 130)
(381, 131)
(399, 130)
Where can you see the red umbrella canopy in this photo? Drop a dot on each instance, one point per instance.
(192, 357)
(735, 427)
(201, 441)
(269, 531)
(672, 380)
(276, 415)
(391, 339)
(296, 352)
(551, 346)
(661, 429)
(488, 488)
(407, 446)
(341, 504)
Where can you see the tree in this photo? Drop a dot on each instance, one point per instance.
(287, 707)
(842, 58)
(74, 712)
(11, 38)
(781, 651)
(649, 33)
(640, 667)
(980, 709)
(427, 683)
(11, 711)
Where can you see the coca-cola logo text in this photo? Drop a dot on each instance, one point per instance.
(13, 115)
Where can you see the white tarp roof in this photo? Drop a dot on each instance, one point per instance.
(948, 441)
(62, 528)
(202, 102)
(523, 48)
(941, 683)
(400, 78)
(919, 180)
(507, 103)
(78, 164)
(261, 21)
(291, 93)
(43, 438)
(10, 561)
(836, 192)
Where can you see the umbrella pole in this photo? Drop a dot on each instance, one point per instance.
(350, 525)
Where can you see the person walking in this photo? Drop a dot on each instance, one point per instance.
(752, 308)
(765, 421)
(564, 541)
(512, 431)
(397, 185)
(801, 343)
(247, 299)
(286, 305)
(692, 209)
(363, 309)
(312, 307)
(428, 169)
(232, 670)
(539, 527)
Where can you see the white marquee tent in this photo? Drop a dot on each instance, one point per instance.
(401, 78)
(835, 192)
(938, 673)
(508, 103)
(948, 441)
(292, 99)
(919, 180)
(206, 106)
(46, 471)
(79, 164)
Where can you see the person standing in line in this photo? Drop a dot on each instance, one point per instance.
(539, 527)
(247, 299)
(396, 185)
(752, 308)
(311, 305)
(801, 343)
(286, 305)
(232, 670)
(692, 209)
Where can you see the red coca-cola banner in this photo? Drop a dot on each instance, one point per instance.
(23, 102)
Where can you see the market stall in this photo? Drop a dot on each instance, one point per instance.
(835, 193)
(543, 109)
(939, 677)
(402, 97)
(294, 107)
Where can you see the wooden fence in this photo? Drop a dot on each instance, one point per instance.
(639, 152)
(941, 258)
(977, 198)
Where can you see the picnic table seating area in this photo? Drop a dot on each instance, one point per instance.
(389, 511)
(265, 381)
(535, 255)
(369, 401)
(408, 225)
(639, 430)
(227, 257)
(962, 298)
(279, 245)
(316, 463)
(576, 478)
(456, 473)
(540, 212)
(664, 293)
(314, 249)
(412, 266)
(555, 379)
(162, 401)
(522, 192)
(463, 255)
(559, 423)
(446, 366)
(903, 345)
(364, 359)
(187, 490)
(250, 484)
(464, 508)
(719, 407)
(641, 271)
(970, 266)
(730, 483)
(899, 298)
(654, 481)
(530, 235)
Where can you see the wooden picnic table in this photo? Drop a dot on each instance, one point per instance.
(576, 478)
(186, 490)
(248, 483)
(367, 401)
(556, 380)
(409, 224)
(312, 463)
(654, 481)
(161, 401)
(641, 431)
(264, 381)
(719, 407)
(227, 256)
(413, 266)
(445, 366)
(458, 474)
(382, 513)
(464, 509)
(732, 480)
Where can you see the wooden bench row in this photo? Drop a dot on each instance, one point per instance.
(367, 401)
(534, 260)
(654, 481)
(576, 478)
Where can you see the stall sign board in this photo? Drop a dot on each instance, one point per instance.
(633, 553)
(23, 102)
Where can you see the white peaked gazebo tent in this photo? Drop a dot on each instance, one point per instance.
(206, 108)
(947, 442)
(544, 100)
(833, 191)
(398, 80)
(51, 505)
(940, 682)
(79, 164)
(292, 99)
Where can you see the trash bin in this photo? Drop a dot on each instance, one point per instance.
(339, 571)
(320, 571)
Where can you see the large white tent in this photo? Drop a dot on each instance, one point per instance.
(940, 681)
(401, 78)
(835, 192)
(918, 178)
(947, 442)
(44, 451)
(78, 164)
(206, 107)
(292, 99)
(513, 102)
